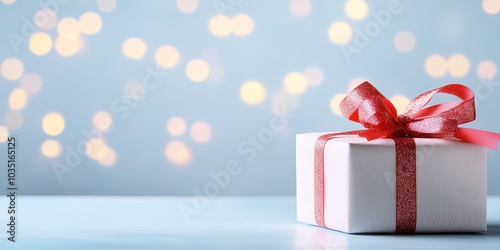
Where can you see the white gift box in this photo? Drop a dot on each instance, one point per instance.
(359, 188)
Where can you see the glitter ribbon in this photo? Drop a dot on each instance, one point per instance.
(367, 106)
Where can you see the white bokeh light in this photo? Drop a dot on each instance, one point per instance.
(356, 9)
(200, 132)
(405, 41)
(458, 65)
(167, 56)
(487, 70)
(300, 8)
(45, 19)
(134, 48)
(106, 5)
(314, 76)
(176, 126)
(436, 65)
(187, 6)
(31, 83)
(12, 69)
(40, 43)
(197, 70)
(252, 92)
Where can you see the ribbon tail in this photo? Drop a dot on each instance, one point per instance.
(479, 137)
(319, 174)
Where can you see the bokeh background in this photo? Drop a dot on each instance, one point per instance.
(157, 97)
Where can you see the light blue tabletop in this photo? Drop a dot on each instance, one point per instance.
(89, 222)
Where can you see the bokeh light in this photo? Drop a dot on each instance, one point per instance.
(13, 119)
(51, 148)
(40, 43)
(405, 41)
(487, 70)
(197, 70)
(200, 132)
(106, 5)
(53, 124)
(102, 120)
(12, 69)
(340, 32)
(134, 90)
(187, 6)
(458, 65)
(300, 8)
(45, 19)
(18, 99)
(167, 56)
(90, 23)
(282, 99)
(96, 149)
(355, 82)
(69, 28)
(8, 2)
(295, 83)
(252, 92)
(335, 103)
(314, 76)
(134, 48)
(491, 7)
(176, 126)
(436, 65)
(356, 9)
(242, 25)
(178, 153)
(31, 83)
(220, 25)
(68, 47)
(400, 102)
(109, 158)
(4, 134)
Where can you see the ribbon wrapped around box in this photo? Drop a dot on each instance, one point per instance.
(416, 172)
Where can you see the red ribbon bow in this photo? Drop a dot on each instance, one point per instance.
(366, 105)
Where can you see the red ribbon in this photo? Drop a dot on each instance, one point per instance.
(366, 105)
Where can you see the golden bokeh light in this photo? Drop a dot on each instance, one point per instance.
(69, 28)
(167, 56)
(68, 47)
(197, 70)
(178, 153)
(31, 83)
(106, 5)
(295, 83)
(45, 19)
(458, 65)
(96, 149)
(340, 32)
(335, 103)
(356, 9)
(40, 43)
(12, 69)
(134, 48)
(242, 25)
(18, 99)
(102, 120)
(51, 148)
(53, 124)
(220, 25)
(187, 6)
(4, 134)
(109, 159)
(200, 132)
(400, 102)
(176, 126)
(90, 23)
(436, 66)
(252, 92)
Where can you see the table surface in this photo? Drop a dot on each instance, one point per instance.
(99, 222)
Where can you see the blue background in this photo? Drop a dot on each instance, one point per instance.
(280, 42)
